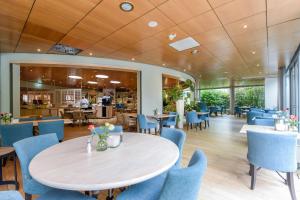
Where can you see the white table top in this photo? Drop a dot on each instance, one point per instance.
(35, 122)
(265, 129)
(68, 165)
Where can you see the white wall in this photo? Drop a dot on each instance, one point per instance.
(271, 92)
(151, 75)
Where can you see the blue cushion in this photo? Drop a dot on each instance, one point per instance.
(10, 195)
(56, 194)
(12, 133)
(56, 126)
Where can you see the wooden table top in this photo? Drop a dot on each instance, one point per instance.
(161, 116)
(35, 122)
(202, 113)
(68, 165)
(6, 150)
(84, 111)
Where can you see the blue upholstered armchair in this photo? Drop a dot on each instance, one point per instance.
(12, 133)
(171, 121)
(177, 184)
(192, 119)
(275, 152)
(178, 137)
(26, 149)
(56, 126)
(145, 124)
(251, 116)
(264, 121)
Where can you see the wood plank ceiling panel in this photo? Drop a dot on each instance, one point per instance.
(13, 15)
(103, 21)
(49, 20)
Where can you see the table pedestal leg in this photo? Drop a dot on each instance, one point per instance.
(110, 195)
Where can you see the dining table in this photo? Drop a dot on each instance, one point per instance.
(36, 122)
(68, 165)
(160, 118)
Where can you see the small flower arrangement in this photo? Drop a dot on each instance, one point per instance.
(293, 122)
(103, 133)
(5, 117)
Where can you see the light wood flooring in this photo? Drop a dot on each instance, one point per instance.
(227, 176)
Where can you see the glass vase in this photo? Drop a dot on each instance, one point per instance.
(102, 144)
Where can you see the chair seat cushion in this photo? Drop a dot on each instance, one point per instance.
(148, 190)
(10, 195)
(169, 123)
(56, 194)
(151, 124)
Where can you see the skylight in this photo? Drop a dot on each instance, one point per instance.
(184, 44)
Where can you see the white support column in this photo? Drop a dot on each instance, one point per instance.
(271, 92)
(232, 97)
(15, 90)
(4, 85)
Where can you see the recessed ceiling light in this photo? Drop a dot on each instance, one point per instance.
(92, 82)
(164, 64)
(126, 6)
(30, 70)
(257, 65)
(253, 52)
(172, 36)
(184, 44)
(152, 24)
(101, 76)
(90, 53)
(115, 82)
(38, 50)
(133, 59)
(195, 51)
(184, 70)
(225, 72)
(75, 77)
(245, 26)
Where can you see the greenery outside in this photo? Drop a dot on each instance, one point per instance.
(250, 96)
(215, 97)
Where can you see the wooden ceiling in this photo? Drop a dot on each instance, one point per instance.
(57, 75)
(238, 37)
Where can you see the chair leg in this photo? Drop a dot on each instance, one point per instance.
(200, 125)
(253, 176)
(208, 123)
(28, 196)
(155, 129)
(290, 182)
(149, 130)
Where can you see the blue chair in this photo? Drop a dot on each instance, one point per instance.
(10, 195)
(171, 121)
(192, 119)
(28, 148)
(145, 125)
(27, 119)
(203, 107)
(178, 137)
(51, 117)
(205, 118)
(275, 152)
(252, 115)
(213, 109)
(56, 126)
(177, 184)
(11, 133)
(264, 121)
(238, 111)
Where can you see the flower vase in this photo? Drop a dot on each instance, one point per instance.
(102, 144)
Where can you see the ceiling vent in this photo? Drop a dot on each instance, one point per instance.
(65, 49)
(184, 44)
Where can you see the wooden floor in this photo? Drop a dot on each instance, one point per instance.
(227, 175)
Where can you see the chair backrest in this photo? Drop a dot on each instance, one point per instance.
(50, 117)
(272, 151)
(172, 119)
(178, 137)
(251, 116)
(185, 183)
(264, 121)
(11, 133)
(27, 119)
(191, 117)
(26, 149)
(10, 195)
(56, 126)
(142, 120)
(120, 118)
(203, 107)
(78, 115)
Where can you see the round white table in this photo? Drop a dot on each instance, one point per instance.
(68, 165)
